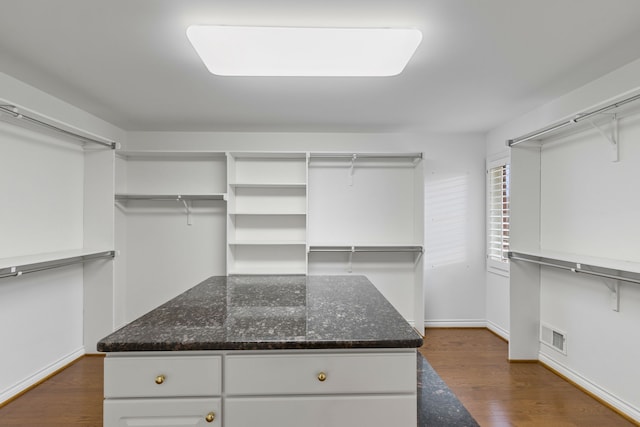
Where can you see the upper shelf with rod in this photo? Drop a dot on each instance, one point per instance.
(178, 197)
(366, 248)
(184, 199)
(389, 156)
(580, 262)
(613, 271)
(17, 266)
(612, 110)
(23, 117)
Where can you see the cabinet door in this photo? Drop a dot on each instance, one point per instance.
(330, 411)
(162, 412)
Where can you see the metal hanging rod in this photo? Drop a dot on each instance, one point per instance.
(19, 270)
(577, 269)
(14, 112)
(170, 197)
(412, 249)
(577, 118)
(366, 155)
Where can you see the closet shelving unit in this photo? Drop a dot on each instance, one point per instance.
(267, 213)
(266, 219)
(178, 199)
(366, 217)
(78, 230)
(16, 266)
(527, 256)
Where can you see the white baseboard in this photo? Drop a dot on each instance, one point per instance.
(15, 389)
(596, 390)
(499, 331)
(455, 323)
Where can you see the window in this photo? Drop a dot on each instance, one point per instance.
(498, 215)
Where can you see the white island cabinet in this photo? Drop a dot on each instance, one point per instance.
(268, 351)
(270, 389)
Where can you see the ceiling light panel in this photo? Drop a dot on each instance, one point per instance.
(290, 51)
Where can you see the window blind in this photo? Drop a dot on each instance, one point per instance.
(498, 238)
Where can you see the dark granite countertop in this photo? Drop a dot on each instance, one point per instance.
(269, 312)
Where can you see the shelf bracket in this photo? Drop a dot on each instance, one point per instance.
(611, 139)
(353, 163)
(614, 288)
(187, 207)
(614, 295)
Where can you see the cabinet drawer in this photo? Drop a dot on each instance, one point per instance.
(320, 373)
(322, 411)
(160, 376)
(162, 412)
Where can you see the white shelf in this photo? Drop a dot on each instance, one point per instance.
(267, 214)
(268, 155)
(268, 185)
(400, 247)
(25, 261)
(159, 155)
(268, 243)
(584, 260)
(268, 271)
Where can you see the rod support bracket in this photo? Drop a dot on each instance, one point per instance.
(350, 266)
(353, 163)
(614, 295)
(611, 138)
(187, 208)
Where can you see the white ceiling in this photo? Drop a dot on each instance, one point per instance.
(480, 63)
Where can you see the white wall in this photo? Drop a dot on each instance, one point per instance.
(587, 207)
(454, 199)
(454, 233)
(42, 181)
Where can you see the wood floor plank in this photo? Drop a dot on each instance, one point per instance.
(473, 363)
(73, 397)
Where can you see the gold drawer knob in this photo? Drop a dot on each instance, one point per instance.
(322, 376)
(160, 379)
(210, 417)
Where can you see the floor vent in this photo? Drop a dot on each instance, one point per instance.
(553, 338)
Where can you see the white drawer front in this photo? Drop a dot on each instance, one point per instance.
(322, 411)
(158, 376)
(302, 373)
(162, 412)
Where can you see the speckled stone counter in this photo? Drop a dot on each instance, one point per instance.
(269, 312)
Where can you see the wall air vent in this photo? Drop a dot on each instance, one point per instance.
(553, 338)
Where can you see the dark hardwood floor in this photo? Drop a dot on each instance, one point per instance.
(473, 362)
(73, 397)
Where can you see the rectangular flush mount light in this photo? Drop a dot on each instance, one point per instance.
(290, 51)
